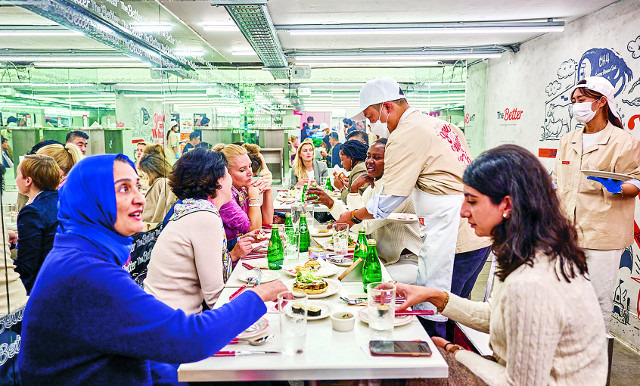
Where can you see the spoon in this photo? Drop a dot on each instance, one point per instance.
(253, 342)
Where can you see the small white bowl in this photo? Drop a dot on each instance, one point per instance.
(343, 320)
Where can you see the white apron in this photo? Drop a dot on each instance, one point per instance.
(439, 217)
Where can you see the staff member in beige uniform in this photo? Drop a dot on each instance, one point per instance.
(602, 209)
(425, 157)
(172, 144)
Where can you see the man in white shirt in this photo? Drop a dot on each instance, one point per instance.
(425, 158)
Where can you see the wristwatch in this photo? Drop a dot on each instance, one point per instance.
(454, 348)
(354, 219)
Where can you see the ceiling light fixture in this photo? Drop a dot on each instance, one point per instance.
(423, 31)
(40, 33)
(387, 58)
(480, 27)
(91, 65)
(189, 53)
(220, 28)
(153, 28)
(248, 52)
(415, 63)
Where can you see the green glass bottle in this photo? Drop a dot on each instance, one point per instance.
(312, 196)
(361, 250)
(275, 252)
(303, 197)
(305, 238)
(328, 187)
(371, 270)
(288, 224)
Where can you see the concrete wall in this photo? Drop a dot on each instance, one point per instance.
(527, 103)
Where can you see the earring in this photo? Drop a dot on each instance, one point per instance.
(505, 215)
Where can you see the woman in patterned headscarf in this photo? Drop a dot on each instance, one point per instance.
(183, 270)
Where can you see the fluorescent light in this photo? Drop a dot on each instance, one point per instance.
(189, 53)
(220, 28)
(45, 58)
(153, 28)
(89, 65)
(243, 52)
(425, 31)
(40, 33)
(385, 57)
(376, 64)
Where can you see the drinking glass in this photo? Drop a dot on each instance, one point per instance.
(341, 238)
(291, 244)
(292, 307)
(323, 182)
(310, 211)
(11, 216)
(296, 210)
(381, 311)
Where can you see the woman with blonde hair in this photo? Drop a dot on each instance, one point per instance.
(159, 197)
(38, 177)
(244, 212)
(258, 164)
(305, 168)
(65, 156)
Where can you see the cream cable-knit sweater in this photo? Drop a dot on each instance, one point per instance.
(542, 330)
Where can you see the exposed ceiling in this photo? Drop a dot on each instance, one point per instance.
(356, 40)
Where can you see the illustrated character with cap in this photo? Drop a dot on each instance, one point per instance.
(602, 208)
(172, 145)
(308, 129)
(425, 158)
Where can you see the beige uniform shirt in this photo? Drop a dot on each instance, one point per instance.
(604, 220)
(429, 154)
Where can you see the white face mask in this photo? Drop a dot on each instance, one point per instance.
(380, 128)
(582, 111)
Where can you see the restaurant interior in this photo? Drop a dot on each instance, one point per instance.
(253, 70)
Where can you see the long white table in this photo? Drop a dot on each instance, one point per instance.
(328, 355)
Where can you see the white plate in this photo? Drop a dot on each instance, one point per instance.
(326, 269)
(334, 287)
(398, 320)
(325, 309)
(315, 232)
(256, 329)
(403, 217)
(267, 276)
(601, 174)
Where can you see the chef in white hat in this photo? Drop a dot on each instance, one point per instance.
(601, 204)
(425, 158)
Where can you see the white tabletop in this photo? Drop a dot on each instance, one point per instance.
(239, 271)
(328, 354)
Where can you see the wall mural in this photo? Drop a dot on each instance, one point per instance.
(619, 67)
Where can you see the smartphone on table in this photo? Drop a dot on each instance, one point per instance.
(401, 348)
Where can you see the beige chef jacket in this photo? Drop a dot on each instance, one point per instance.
(429, 154)
(604, 220)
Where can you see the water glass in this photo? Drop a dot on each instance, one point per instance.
(291, 244)
(10, 212)
(292, 307)
(381, 311)
(296, 210)
(341, 238)
(310, 211)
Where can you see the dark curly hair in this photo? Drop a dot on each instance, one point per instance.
(536, 223)
(196, 174)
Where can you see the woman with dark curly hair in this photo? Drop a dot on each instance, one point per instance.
(543, 318)
(184, 269)
(352, 155)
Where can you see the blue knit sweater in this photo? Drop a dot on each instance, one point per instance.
(87, 322)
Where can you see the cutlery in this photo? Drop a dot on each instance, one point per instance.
(254, 342)
(241, 353)
(416, 312)
(238, 292)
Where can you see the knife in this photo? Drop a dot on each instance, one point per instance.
(241, 353)
(416, 312)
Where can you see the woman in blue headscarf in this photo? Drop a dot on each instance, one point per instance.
(87, 321)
